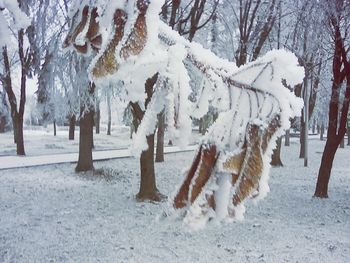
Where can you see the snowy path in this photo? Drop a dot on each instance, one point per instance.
(8, 162)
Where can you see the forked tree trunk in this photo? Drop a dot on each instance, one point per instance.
(287, 138)
(160, 138)
(72, 121)
(85, 162)
(337, 124)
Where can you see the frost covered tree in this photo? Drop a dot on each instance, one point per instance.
(148, 59)
(187, 19)
(86, 87)
(24, 52)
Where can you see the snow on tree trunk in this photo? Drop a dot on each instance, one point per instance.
(254, 107)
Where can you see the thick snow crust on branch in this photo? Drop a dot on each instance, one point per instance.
(18, 20)
(254, 105)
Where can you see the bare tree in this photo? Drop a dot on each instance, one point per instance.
(25, 54)
(338, 15)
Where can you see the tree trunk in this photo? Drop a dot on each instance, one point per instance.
(109, 112)
(2, 124)
(302, 138)
(148, 189)
(322, 132)
(4, 121)
(97, 117)
(200, 125)
(324, 172)
(54, 128)
(72, 121)
(17, 114)
(287, 138)
(336, 123)
(342, 144)
(276, 156)
(85, 162)
(205, 123)
(19, 135)
(348, 132)
(14, 123)
(160, 138)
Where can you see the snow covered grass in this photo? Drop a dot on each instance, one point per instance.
(51, 214)
(40, 141)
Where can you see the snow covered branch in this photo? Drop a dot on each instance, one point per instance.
(255, 107)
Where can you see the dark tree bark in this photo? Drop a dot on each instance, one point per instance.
(97, 117)
(17, 115)
(148, 189)
(19, 135)
(276, 156)
(54, 128)
(337, 124)
(72, 121)
(86, 141)
(160, 138)
(3, 123)
(302, 137)
(85, 162)
(325, 168)
(109, 113)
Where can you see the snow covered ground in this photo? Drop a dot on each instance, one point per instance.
(51, 214)
(40, 141)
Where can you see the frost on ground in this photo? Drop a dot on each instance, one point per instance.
(51, 214)
(40, 141)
